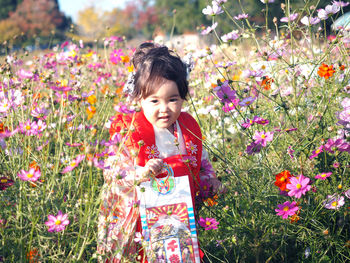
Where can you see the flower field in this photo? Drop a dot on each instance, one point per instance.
(275, 116)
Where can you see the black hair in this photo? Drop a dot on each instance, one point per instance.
(156, 66)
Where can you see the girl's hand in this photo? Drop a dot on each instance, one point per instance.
(154, 165)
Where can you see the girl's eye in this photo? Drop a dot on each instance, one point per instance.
(173, 100)
(154, 101)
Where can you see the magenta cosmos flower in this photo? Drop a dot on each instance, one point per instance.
(116, 55)
(31, 175)
(208, 223)
(73, 164)
(287, 209)
(334, 201)
(263, 137)
(225, 93)
(57, 223)
(298, 186)
(323, 176)
(316, 152)
(247, 101)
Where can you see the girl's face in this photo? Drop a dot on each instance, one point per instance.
(163, 106)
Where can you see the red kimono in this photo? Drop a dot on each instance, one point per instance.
(118, 220)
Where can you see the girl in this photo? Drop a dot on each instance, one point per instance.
(160, 133)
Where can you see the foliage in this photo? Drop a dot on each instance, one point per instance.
(271, 108)
(37, 19)
(8, 6)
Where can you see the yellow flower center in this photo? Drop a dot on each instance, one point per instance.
(335, 203)
(207, 223)
(73, 164)
(28, 127)
(30, 175)
(298, 186)
(58, 222)
(282, 179)
(263, 136)
(317, 151)
(205, 187)
(4, 180)
(286, 208)
(323, 175)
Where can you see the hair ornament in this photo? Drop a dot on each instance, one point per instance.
(129, 86)
(189, 64)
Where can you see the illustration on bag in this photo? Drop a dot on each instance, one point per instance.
(167, 218)
(170, 234)
(164, 183)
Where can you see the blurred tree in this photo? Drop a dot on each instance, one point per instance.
(8, 31)
(119, 22)
(8, 6)
(90, 23)
(39, 18)
(184, 15)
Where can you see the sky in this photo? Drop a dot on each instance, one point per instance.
(72, 7)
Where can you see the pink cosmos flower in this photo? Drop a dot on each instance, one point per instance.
(291, 18)
(122, 108)
(247, 101)
(329, 10)
(40, 126)
(287, 209)
(298, 186)
(230, 106)
(310, 20)
(40, 112)
(241, 16)
(248, 123)
(209, 29)
(253, 148)
(25, 74)
(347, 193)
(323, 176)
(334, 201)
(31, 175)
(116, 55)
(5, 105)
(28, 128)
(225, 93)
(61, 88)
(260, 120)
(316, 152)
(290, 152)
(57, 223)
(233, 35)
(212, 10)
(100, 164)
(73, 164)
(208, 223)
(263, 137)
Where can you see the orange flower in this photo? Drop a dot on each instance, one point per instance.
(125, 59)
(342, 67)
(92, 99)
(34, 165)
(294, 218)
(91, 110)
(282, 179)
(266, 83)
(33, 256)
(325, 71)
(212, 201)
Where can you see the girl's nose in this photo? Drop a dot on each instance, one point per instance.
(163, 107)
